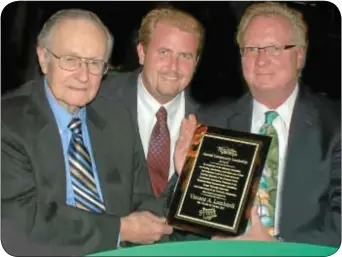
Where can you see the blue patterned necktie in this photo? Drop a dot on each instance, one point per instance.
(267, 192)
(82, 176)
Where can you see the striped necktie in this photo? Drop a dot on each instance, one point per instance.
(267, 192)
(82, 176)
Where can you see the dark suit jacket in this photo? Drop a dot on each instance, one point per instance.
(123, 88)
(311, 196)
(16, 243)
(33, 184)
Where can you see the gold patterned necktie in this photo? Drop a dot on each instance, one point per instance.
(82, 176)
(267, 192)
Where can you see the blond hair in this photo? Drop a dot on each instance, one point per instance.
(50, 25)
(180, 19)
(299, 27)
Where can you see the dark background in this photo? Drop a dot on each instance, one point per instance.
(218, 74)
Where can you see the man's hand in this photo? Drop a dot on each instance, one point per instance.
(257, 231)
(186, 133)
(143, 228)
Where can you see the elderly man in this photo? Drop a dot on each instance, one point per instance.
(73, 169)
(299, 196)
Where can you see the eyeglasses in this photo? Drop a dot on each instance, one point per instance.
(274, 50)
(72, 63)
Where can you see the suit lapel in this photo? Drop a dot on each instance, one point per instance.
(190, 105)
(53, 160)
(96, 127)
(239, 116)
(48, 145)
(303, 119)
(129, 95)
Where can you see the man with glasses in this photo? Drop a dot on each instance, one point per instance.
(299, 195)
(73, 169)
(72, 63)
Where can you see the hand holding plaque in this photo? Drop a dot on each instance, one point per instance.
(187, 130)
(219, 180)
(256, 231)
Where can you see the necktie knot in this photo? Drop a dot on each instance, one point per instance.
(270, 116)
(162, 114)
(75, 126)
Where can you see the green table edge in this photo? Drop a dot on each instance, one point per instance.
(222, 248)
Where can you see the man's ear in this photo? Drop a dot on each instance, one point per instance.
(141, 53)
(42, 59)
(301, 55)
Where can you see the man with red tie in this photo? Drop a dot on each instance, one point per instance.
(169, 47)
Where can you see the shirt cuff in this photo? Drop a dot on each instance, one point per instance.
(118, 243)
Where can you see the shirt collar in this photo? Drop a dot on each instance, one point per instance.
(63, 117)
(152, 104)
(284, 110)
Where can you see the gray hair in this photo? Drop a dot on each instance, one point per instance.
(50, 25)
(295, 17)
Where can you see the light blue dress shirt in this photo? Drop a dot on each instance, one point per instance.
(63, 118)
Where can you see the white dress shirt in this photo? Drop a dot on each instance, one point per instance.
(282, 126)
(147, 109)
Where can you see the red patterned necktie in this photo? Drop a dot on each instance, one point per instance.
(158, 157)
